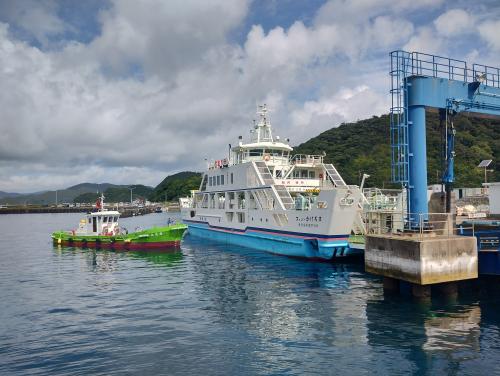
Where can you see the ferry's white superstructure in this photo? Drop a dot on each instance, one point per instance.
(262, 196)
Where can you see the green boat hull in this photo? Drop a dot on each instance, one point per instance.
(155, 237)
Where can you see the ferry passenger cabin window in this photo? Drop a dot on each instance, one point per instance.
(218, 179)
(210, 181)
(222, 179)
(104, 219)
(231, 178)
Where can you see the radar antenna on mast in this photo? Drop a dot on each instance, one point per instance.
(263, 127)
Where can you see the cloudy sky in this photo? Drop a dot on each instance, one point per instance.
(130, 91)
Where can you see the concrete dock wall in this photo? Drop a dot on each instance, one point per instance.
(422, 261)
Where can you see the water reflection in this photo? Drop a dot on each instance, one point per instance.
(101, 260)
(166, 257)
(448, 331)
(279, 298)
(433, 338)
(98, 261)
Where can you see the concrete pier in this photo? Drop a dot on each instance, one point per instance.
(422, 261)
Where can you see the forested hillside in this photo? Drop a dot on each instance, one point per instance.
(363, 147)
(175, 186)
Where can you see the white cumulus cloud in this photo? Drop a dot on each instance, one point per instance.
(162, 85)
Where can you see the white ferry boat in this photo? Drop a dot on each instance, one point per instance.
(264, 197)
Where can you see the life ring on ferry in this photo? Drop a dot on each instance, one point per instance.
(266, 157)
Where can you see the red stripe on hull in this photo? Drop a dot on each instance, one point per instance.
(122, 245)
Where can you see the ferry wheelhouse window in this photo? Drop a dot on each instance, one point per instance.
(104, 219)
(256, 152)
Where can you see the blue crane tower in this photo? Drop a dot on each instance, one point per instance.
(421, 81)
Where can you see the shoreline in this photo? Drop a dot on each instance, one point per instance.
(124, 213)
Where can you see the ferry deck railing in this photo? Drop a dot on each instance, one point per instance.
(382, 199)
(306, 159)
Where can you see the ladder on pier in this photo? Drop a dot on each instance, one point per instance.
(401, 68)
(334, 175)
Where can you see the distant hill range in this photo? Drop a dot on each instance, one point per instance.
(363, 147)
(118, 193)
(8, 194)
(85, 192)
(171, 188)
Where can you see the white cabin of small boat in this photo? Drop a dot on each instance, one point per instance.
(99, 223)
(103, 222)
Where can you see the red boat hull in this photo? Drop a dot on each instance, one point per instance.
(125, 246)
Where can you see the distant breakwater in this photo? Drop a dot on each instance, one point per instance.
(124, 212)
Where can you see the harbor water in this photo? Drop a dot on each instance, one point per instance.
(216, 309)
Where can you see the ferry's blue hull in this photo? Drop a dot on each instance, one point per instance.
(281, 243)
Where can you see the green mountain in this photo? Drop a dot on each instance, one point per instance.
(175, 186)
(363, 147)
(117, 194)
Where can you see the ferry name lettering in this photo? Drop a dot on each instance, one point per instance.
(309, 218)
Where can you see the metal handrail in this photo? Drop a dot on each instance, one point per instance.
(418, 226)
(423, 64)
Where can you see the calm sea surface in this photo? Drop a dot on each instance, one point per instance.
(213, 309)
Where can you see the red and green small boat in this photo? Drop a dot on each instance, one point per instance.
(101, 230)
